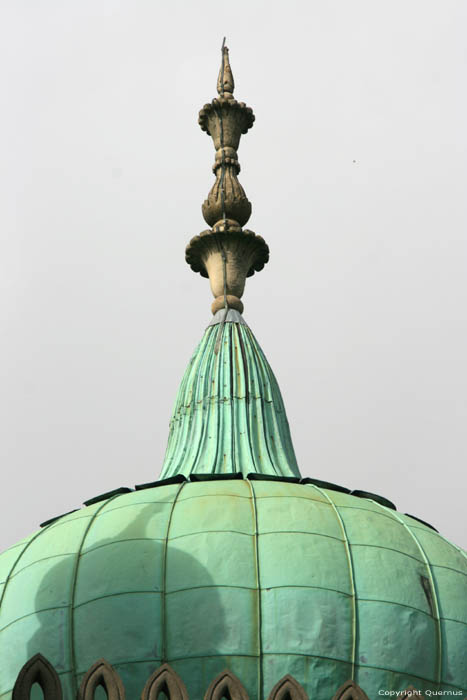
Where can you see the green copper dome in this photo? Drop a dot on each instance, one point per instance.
(265, 576)
(231, 560)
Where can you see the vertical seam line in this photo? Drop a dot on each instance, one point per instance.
(260, 376)
(279, 407)
(260, 616)
(433, 588)
(246, 380)
(164, 577)
(178, 446)
(246, 370)
(233, 422)
(351, 576)
(201, 431)
(26, 546)
(215, 406)
(74, 579)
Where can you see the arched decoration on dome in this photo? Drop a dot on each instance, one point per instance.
(227, 686)
(288, 689)
(350, 691)
(103, 674)
(165, 680)
(38, 670)
(410, 692)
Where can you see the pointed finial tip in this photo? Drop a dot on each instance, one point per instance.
(225, 81)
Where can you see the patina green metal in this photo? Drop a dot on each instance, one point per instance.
(229, 415)
(262, 577)
(208, 570)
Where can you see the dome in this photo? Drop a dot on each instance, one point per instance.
(232, 563)
(262, 577)
(263, 574)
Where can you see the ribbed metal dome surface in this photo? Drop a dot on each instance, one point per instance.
(229, 415)
(263, 577)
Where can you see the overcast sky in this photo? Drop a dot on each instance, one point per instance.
(357, 171)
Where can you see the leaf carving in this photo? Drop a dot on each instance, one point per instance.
(38, 670)
(103, 674)
(226, 686)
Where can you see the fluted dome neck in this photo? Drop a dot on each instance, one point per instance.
(229, 416)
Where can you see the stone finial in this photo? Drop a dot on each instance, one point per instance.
(225, 81)
(226, 253)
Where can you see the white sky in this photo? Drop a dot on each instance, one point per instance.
(357, 171)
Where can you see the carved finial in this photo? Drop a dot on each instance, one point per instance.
(225, 81)
(226, 253)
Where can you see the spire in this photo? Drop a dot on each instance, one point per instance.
(228, 415)
(226, 253)
(225, 81)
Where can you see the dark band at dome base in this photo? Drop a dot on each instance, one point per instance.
(164, 680)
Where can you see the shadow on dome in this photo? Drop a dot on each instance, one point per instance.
(129, 600)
